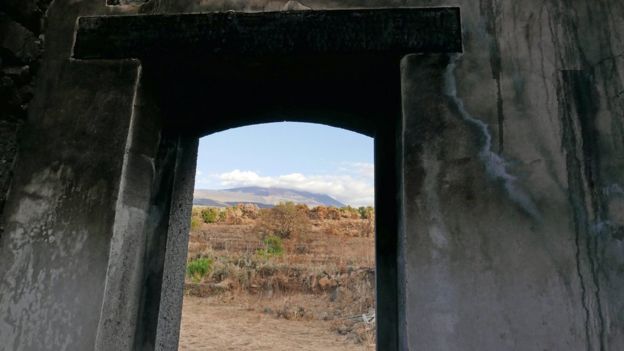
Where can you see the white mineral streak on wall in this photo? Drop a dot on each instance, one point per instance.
(495, 165)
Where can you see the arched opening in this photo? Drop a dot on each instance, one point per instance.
(327, 92)
(136, 115)
(174, 109)
(206, 94)
(281, 246)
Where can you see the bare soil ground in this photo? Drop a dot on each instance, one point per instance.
(211, 325)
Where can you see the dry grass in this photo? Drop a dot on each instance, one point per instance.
(325, 275)
(212, 325)
(330, 243)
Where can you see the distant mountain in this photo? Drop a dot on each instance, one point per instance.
(263, 197)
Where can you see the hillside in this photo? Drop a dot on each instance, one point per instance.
(263, 197)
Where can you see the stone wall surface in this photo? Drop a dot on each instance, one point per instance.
(513, 190)
(514, 213)
(55, 246)
(60, 214)
(20, 52)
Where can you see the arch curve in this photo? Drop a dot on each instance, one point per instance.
(197, 99)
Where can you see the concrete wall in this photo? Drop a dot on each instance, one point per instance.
(57, 229)
(514, 203)
(21, 44)
(513, 190)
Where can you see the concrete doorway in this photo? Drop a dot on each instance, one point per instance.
(324, 93)
(163, 82)
(227, 71)
(503, 164)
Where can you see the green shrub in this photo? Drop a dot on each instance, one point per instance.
(195, 223)
(198, 268)
(273, 247)
(222, 216)
(210, 214)
(366, 212)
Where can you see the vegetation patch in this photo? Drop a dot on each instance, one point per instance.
(210, 214)
(273, 247)
(285, 220)
(290, 261)
(198, 268)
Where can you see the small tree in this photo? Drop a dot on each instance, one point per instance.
(366, 212)
(234, 215)
(285, 220)
(210, 215)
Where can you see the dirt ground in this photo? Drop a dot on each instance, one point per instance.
(209, 325)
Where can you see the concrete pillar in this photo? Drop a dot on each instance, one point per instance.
(61, 212)
(94, 252)
(140, 212)
(176, 250)
(145, 279)
(487, 267)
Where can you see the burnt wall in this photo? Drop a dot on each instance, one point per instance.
(513, 190)
(512, 185)
(21, 46)
(514, 204)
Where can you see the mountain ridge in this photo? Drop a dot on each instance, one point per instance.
(261, 196)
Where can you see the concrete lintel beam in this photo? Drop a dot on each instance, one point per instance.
(293, 33)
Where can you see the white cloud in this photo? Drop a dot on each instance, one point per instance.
(362, 169)
(353, 186)
(201, 180)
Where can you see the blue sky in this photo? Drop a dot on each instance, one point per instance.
(303, 156)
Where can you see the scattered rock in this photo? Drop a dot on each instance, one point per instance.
(226, 284)
(343, 329)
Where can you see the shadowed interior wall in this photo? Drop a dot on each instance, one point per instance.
(21, 46)
(512, 184)
(57, 235)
